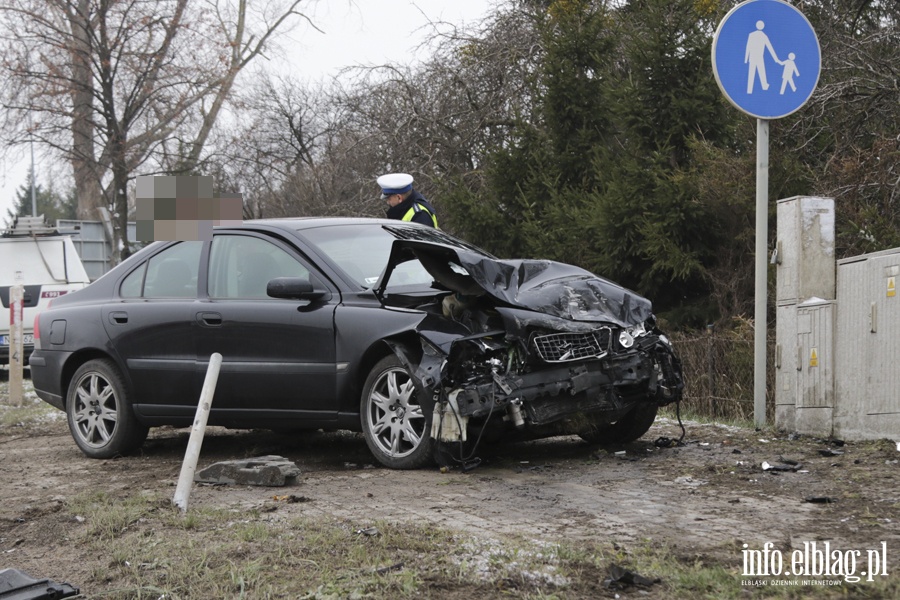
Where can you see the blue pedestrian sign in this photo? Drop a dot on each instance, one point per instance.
(766, 58)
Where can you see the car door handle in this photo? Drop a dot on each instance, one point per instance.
(210, 318)
(118, 318)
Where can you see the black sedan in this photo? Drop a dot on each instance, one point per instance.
(422, 341)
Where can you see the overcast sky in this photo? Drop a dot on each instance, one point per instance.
(358, 32)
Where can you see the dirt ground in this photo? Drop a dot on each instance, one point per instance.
(711, 495)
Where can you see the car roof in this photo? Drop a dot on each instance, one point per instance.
(301, 223)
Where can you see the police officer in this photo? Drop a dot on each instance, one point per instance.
(405, 203)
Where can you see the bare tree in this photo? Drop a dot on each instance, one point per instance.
(300, 150)
(117, 86)
(850, 131)
(437, 120)
(284, 152)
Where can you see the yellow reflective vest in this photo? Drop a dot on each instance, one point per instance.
(416, 207)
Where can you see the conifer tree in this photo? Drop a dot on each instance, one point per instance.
(49, 202)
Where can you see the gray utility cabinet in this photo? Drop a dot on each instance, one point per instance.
(837, 336)
(804, 249)
(815, 366)
(804, 314)
(868, 352)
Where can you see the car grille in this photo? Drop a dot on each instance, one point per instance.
(566, 347)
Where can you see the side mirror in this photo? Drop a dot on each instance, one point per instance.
(293, 288)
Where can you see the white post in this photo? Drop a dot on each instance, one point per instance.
(16, 347)
(186, 479)
(762, 231)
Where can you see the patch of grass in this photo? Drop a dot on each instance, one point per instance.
(715, 575)
(149, 549)
(687, 414)
(153, 550)
(107, 518)
(32, 412)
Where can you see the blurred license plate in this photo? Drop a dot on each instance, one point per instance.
(27, 340)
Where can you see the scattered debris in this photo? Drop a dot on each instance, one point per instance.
(291, 499)
(792, 466)
(820, 499)
(620, 578)
(271, 471)
(394, 567)
(665, 442)
(18, 585)
(470, 464)
(690, 481)
(536, 468)
(830, 452)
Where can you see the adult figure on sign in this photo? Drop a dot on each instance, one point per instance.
(755, 54)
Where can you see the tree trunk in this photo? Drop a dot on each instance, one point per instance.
(87, 183)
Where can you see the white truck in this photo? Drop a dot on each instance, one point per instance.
(45, 263)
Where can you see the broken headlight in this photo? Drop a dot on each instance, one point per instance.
(628, 335)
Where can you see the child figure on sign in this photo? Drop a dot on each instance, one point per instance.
(790, 69)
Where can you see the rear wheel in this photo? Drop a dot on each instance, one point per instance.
(627, 429)
(394, 425)
(99, 412)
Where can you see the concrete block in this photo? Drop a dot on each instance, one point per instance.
(271, 471)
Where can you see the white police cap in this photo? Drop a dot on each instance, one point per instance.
(395, 183)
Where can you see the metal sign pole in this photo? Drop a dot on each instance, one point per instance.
(758, 43)
(762, 230)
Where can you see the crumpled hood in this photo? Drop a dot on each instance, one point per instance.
(544, 286)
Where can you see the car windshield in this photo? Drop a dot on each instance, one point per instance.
(362, 251)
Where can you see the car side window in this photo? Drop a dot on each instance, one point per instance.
(170, 274)
(241, 266)
(132, 285)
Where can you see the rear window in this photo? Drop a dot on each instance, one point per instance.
(40, 261)
(172, 273)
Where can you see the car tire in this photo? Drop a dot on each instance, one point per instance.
(99, 412)
(627, 429)
(395, 428)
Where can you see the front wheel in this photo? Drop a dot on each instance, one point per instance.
(632, 426)
(393, 423)
(99, 412)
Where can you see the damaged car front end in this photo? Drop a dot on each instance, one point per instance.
(523, 349)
